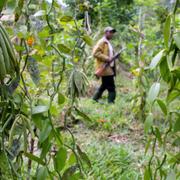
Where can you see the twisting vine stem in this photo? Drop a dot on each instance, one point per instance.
(48, 16)
(152, 156)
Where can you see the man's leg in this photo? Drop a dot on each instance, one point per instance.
(111, 90)
(101, 89)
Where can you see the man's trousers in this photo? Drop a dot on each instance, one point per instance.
(107, 84)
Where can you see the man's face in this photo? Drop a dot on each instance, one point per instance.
(109, 34)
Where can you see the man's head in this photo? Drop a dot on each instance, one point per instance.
(109, 32)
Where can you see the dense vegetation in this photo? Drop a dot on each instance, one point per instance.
(49, 126)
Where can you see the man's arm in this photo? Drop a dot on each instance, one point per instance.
(98, 53)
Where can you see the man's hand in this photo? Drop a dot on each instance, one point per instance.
(109, 60)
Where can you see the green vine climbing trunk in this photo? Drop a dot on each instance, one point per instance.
(164, 160)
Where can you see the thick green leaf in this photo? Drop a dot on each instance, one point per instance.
(147, 174)
(175, 158)
(18, 10)
(176, 142)
(167, 31)
(83, 115)
(164, 69)
(46, 130)
(38, 120)
(60, 159)
(32, 6)
(40, 13)
(88, 40)
(177, 125)
(64, 49)
(84, 156)
(173, 95)
(72, 159)
(66, 18)
(44, 33)
(42, 173)
(19, 48)
(148, 123)
(156, 60)
(148, 144)
(176, 71)
(174, 82)
(3, 103)
(10, 6)
(44, 4)
(61, 98)
(34, 158)
(171, 175)
(177, 39)
(158, 135)
(47, 60)
(2, 4)
(162, 105)
(153, 92)
(39, 109)
(45, 146)
(5, 171)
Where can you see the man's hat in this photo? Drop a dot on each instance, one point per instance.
(110, 29)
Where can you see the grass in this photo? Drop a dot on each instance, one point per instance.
(113, 139)
(110, 117)
(112, 161)
(105, 116)
(112, 158)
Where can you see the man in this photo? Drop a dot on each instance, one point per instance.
(103, 53)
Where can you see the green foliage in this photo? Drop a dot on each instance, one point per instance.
(45, 54)
(42, 173)
(2, 3)
(112, 161)
(161, 135)
(153, 92)
(5, 167)
(53, 46)
(156, 60)
(163, 106)
(60, 159)
(102, 116)
(148, 123)
(167, 31)
(177, 39)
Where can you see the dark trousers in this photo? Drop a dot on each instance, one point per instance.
(107, 84)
